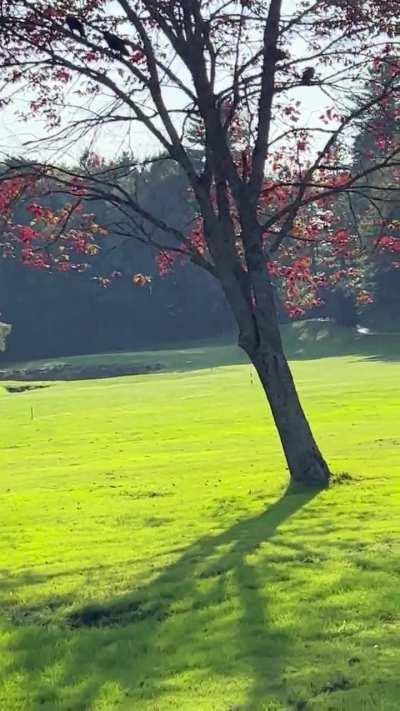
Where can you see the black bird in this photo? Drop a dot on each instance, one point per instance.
(279, 55)
(307, 76)
(75, 25)
(115, 43)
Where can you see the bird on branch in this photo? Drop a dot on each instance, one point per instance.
(75, 25)
(307, 76)
(278, 55)
(115, 43)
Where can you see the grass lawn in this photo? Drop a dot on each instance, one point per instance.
(150, 558)
(304, 340)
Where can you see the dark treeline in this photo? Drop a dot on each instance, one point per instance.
(65, 314)
(56, 314)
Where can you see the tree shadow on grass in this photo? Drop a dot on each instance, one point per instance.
(205, 616)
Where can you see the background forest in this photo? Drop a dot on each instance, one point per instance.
(66, 314)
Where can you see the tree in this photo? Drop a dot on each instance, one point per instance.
(379, 205)
(226, 79)
(62, 313)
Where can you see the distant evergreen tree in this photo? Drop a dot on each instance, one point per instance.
(377, 135)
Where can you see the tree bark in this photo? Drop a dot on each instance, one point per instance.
(251, 298)
(305, 462)
(260, 339)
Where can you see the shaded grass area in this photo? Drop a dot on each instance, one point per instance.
(151, 557)
(321, 339)
(304, 340)
(185, 359)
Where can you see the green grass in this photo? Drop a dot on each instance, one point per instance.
(196, 357)
(150, 558)
(303, 340)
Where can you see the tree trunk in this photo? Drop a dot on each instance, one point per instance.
(259, 336)
(305, 462)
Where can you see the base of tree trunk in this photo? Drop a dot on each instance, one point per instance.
(304, 459)
(313, 472)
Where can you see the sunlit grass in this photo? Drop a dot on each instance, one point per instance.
(150, 560)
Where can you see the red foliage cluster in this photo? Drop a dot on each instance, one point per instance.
(165, 261)
(195, 244)
(389, 244)
(42, 237)
(10, 191)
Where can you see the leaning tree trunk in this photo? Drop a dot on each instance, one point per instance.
(305, 462)
(260, 338)
(250, 295)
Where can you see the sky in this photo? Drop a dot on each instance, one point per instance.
(15, 133)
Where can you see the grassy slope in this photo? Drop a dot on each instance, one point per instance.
(160, 499)
(200, 356)
(303, 340)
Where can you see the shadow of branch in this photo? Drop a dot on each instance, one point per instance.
(210, 598)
